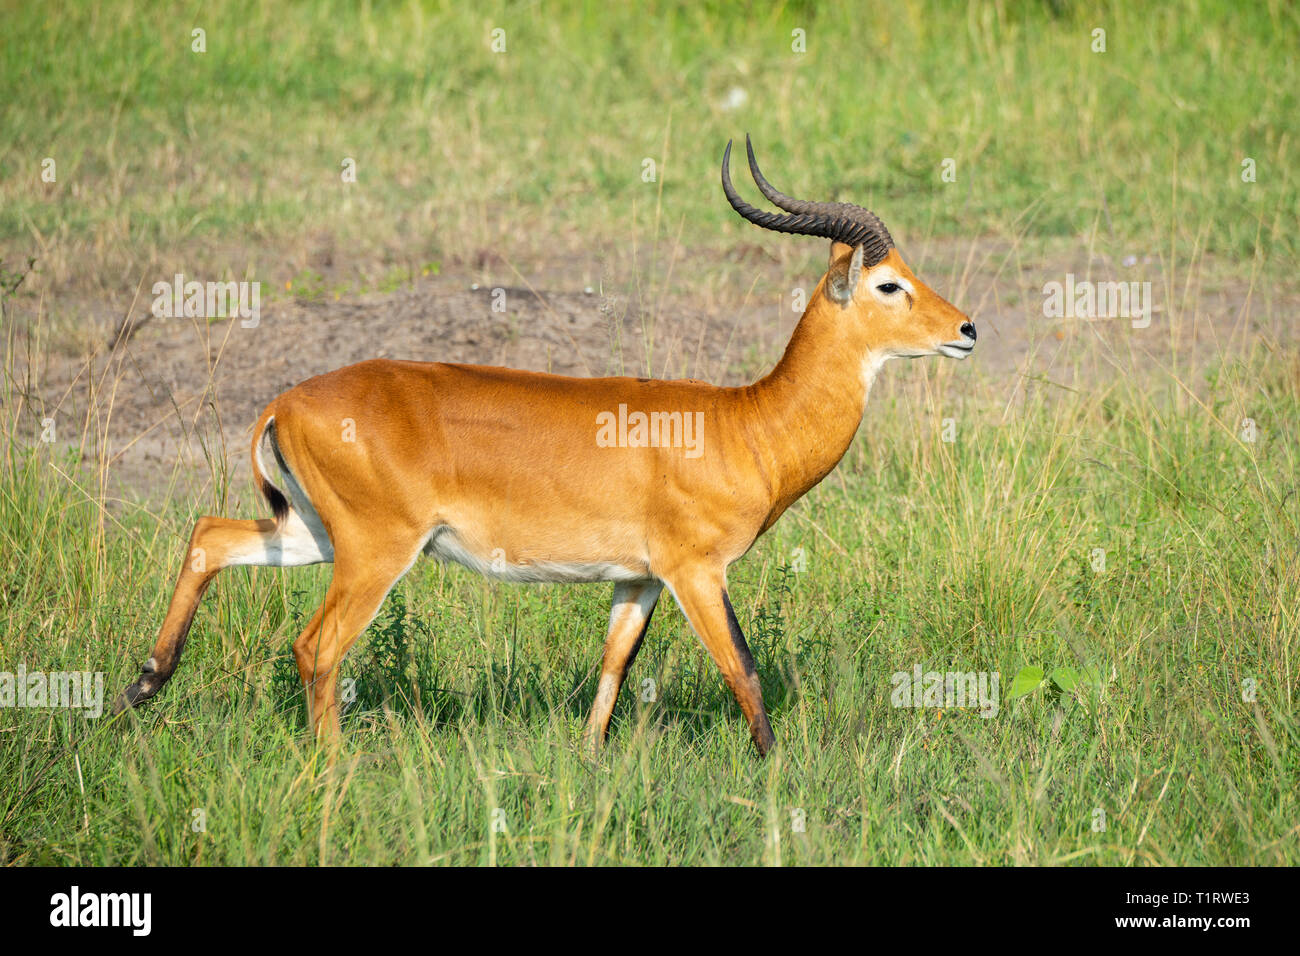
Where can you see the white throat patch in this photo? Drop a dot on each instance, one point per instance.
(871, 366)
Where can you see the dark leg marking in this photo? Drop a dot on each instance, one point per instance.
(636, 646)
(737, 635)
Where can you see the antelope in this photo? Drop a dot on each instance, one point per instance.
(525, 476)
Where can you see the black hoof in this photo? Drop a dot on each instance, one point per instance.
(141, 690)
(128, 698)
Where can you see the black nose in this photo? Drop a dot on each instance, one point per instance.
(968, 330)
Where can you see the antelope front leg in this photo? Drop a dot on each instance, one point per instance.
(702, 595)
(634, 603)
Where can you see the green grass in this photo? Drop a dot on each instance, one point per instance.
(470, 697)
(976, 555)
(233, 155)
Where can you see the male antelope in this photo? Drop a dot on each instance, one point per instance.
(504, 471)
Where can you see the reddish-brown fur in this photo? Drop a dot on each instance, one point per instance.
(509, 460)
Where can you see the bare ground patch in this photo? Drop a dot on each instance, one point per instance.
(172, 404)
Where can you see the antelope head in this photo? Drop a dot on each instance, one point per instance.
(894, 313)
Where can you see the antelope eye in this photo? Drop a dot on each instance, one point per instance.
(889, 288)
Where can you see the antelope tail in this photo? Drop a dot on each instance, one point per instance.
(275, 497)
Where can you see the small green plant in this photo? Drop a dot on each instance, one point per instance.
(400, 276)
(1062, 680)
(11, 279)
(308, 285)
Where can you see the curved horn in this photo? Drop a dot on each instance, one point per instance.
(774, 195)
(840, 221)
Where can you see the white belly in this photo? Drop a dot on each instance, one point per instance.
(445, 545)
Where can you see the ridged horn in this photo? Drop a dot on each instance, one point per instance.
(841, 221)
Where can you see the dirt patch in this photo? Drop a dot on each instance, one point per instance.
(177, 396)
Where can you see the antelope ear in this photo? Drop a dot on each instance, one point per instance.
(844, 273)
